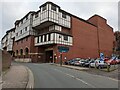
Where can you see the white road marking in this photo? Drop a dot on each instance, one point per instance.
(76, 78)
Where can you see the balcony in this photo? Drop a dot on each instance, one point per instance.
(53, 38)
(52, 16)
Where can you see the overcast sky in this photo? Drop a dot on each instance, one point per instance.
(13, 10)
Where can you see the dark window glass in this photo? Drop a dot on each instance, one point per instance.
(36, 15)
(22, 22)
(48, 37)
(26, 51)
(38, 40)
(45, 37)
(66, 38)
(63, 15)
(21, 52)
(44, 8)
(41, 38)
(25, 28)
(53, 7)
(21, 32)
(16, 34)
(26, 17)
(16, 52)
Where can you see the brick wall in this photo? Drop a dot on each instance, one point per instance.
(6, 60)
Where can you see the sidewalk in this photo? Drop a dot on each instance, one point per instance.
(17, 77)
(73, 67)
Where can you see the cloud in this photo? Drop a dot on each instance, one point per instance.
(16, 9)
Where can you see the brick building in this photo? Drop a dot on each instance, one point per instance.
(38, 35)
(117, 43)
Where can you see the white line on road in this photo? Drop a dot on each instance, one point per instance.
(76, 78)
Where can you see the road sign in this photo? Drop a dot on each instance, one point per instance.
(63, 49)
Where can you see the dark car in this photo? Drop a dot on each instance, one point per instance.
(74, 60)
(87, 62)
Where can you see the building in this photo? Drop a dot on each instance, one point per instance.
(39, 34)
(117, 43)
(7, 41)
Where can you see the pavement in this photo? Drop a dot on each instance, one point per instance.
(18, 76)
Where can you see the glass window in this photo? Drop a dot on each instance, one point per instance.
(21, 32)
(16, 34)
(21, 51)
(36, 15)
(66, 38)
(48, 37)
(53, 7)
(63, 15)
(22, 22)
(41, 38)
(25, 28)
(44, 8)
(26, 17)
(45, 38)
(38, 40)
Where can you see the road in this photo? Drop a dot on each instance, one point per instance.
(51, 76)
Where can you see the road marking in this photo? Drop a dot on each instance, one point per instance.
(76, 78)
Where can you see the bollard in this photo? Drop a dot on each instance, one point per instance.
(108, 67)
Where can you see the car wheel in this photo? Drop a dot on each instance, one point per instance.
(99, 67)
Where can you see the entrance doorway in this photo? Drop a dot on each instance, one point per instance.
(49, 56)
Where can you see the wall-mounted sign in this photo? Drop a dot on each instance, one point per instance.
(63, 49)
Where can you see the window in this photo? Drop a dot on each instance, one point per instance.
(45, 39)
(41, 38)
(64, 15)
(26, 51)
(66, 38)
(21, 52)
(16, 34)
(48, 37)
(26, 17)
(36, 15)
(44, 8)
(25, 28)
(21, 32)
(53, 8)
(38, 40)
(16, 52)
(22, 22)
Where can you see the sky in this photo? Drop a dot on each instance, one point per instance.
(12, 10)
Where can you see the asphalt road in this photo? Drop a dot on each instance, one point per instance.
(51, 76)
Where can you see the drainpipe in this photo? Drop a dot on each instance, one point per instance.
(98, 41)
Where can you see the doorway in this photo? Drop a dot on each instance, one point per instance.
(49, 56)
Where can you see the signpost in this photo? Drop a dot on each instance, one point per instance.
(62, 49)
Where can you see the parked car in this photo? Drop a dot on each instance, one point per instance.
(74, 60)
(111, 62)
(87, 63)
(98, 64)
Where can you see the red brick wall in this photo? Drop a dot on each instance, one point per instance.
(85, 39)
(105, 33)
(29, 44)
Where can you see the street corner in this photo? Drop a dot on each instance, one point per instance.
(17, 77)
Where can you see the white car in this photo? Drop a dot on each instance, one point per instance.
(98, 64)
